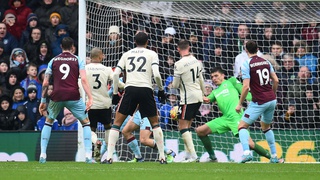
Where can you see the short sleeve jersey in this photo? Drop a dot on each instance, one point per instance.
(64, 69)
(258, 70)
(98, 77)
(138, 64)
(227, 98)
(188, 69)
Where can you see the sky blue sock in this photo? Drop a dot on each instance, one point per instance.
(165, 148)
(244, 139)
(87, 140)
(45, 136)
(271, 141)
(133, 145)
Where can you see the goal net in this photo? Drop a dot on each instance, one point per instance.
(287, 34)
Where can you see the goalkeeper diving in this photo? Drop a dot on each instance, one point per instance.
(227, 97)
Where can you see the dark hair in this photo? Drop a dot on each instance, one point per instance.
(183, 44)
(278, 43)
(141, 39)
(67, 43)
(217, 69)
(252, 47)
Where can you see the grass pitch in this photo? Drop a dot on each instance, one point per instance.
(154, 170)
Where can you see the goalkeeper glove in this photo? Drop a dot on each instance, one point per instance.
(162, 97)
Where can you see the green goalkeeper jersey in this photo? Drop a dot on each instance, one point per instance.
(227, 97)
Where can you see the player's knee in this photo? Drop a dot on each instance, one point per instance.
(143, 140)
(200, 132)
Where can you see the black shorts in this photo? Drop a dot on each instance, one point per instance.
(134, 96)
(188, 111)
(99, 115)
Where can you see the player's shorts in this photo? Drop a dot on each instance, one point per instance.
(143, 123)
(104, 116)
(224, 124)
(254, 111)
(188, 111)
(77, 108)
(134, 96)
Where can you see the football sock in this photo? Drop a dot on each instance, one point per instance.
(158, 137)
(187, 138)
(271, 141)
(133, 145)
(87, 140)
(113, 138)
(207, 145)
(244, 139)
(261, 151)
(106, 135)
(45, 136)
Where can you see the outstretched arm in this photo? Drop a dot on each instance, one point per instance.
(86, 88)
(45, 85)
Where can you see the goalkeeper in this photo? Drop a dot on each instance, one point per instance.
(227, 98)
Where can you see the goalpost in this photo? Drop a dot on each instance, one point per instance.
(219, 29)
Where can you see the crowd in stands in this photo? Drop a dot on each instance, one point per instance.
(31, 33)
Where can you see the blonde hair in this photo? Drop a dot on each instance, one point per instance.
(273, 62)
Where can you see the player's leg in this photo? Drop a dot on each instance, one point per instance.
(78, 110)
(105, 118)
(258, 149)
(126, 106)
(93, 126)
(249, 116)
(54, 109)
(266, 120)
(148, 108)
(131, 140)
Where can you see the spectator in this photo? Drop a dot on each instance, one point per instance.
(289, 70)
(266, 40)
(298, 88)
(69, 14)
(290, 119)
(310, 108)
(42, 120)
(310, 33)
(238, 40)
(11, 24)
(44, 53)
(2, 55)
(114, 47)
(21, 11)
(166, 121)
(196, 45)
(47, 7)
(50, 32)
(17, 95)
(11, 81)
(32, 44)
(9, 41)
(302, 55)
(18, 61)
(286, 32)
(4, 67)
(42, 70)
(240, 59)
(167, 44)
(32, 104)
(7, 114)
(22, 122)
(32, 72)
(32, 21)
(61, 32)
(277, 51)
(69, 122)
(166, 67)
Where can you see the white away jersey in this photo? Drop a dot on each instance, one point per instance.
(138, 64)
(189, 69)
(98, 76)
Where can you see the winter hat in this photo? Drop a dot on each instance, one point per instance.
(31, 17)
(10, 14)
(5, 97)
(32, 88)
(55, 14)
(42, 69)
(21, 109)
(114, 29)
(170, 30)
(17, 87)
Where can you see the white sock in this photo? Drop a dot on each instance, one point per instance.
(106, 135)
(43, 155)
(113, 138)
(187, 138)
(158, 137)
(247, 152)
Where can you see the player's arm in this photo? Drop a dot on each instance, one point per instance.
(201, 80)
(275, 81)
(245, 90)
(45, 85)
(210, 98)
(176, 77)
(157, 76)
(245, 72)
(85, 85)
